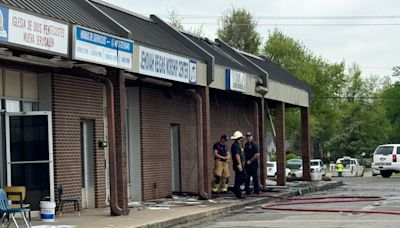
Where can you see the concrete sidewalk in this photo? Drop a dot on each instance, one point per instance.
(171, 213)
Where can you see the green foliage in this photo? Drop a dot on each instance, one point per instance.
(291, 156)
(391, 104)
(344, 120)
(238, 28)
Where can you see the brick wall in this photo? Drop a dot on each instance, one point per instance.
(76, 99)
(230, 113)
(158, 111)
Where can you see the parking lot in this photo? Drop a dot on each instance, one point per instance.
(365, 186)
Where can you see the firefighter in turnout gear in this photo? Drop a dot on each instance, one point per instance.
(221, 169)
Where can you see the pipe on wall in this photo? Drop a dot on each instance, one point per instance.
(115, 208)
(200, 167)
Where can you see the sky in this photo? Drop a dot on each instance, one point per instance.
(375, 48)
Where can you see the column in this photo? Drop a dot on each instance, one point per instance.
(280, 143)
(305, 143)
(205, 96)
(120, 139)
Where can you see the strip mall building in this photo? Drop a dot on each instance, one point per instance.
(119, 107)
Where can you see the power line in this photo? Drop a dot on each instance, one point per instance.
(362, 17)
(302, 25)
(356, 98)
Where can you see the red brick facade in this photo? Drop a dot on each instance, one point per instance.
(74, 100)
(159, 109)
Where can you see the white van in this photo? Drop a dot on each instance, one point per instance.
(387, 159)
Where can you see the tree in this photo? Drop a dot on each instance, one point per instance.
(176, 21)
(238, 28)
(326, 80)
(391, 104)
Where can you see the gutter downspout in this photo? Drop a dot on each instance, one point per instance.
(200, 166)
(115, 208)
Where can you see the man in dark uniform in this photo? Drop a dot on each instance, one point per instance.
(237, 160)
(221, 169)
(251, 154)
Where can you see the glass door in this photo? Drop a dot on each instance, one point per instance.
(29, 148)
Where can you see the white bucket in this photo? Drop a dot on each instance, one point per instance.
(316, 176)
(47, 211)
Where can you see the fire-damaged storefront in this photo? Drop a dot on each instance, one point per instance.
(234, 103)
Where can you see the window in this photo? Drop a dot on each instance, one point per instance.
(384, 150)
(13, 106)
(28, 106)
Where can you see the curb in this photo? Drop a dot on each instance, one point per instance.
(230, 208)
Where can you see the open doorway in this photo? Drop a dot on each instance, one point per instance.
(87, 159)
(175, 158)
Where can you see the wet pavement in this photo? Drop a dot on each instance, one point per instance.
(389, 188)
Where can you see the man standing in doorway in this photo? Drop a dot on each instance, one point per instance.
(221, 169)
(251, 154)
(237, 158)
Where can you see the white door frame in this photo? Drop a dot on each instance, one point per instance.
(50, 135)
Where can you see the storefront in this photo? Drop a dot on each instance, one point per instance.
(27, 155)
(161, 110)
(54, 118)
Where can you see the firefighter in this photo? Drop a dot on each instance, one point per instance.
(221, 169)
(339, 168)
(237, 160)
(251, 154)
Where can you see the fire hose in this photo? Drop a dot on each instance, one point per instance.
(326, 199)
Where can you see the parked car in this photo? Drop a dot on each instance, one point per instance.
(294, 163)
(387, 159)
(351, 167)
(272, 169)
(316, 166)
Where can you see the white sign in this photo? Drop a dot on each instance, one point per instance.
(164, 65)
(97, 47)
(235, 80)
(32, 31)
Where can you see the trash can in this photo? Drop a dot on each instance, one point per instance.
(315, 176)
(47, 211)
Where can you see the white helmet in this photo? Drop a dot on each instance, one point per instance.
(237, 135)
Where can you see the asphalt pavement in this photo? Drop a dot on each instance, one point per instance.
(389, 188)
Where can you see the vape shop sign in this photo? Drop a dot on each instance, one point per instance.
(31, 31)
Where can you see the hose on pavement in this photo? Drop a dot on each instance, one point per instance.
(326, 199)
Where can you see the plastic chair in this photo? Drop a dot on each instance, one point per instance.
(62, 200)
(7, 211)
(17, 194)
